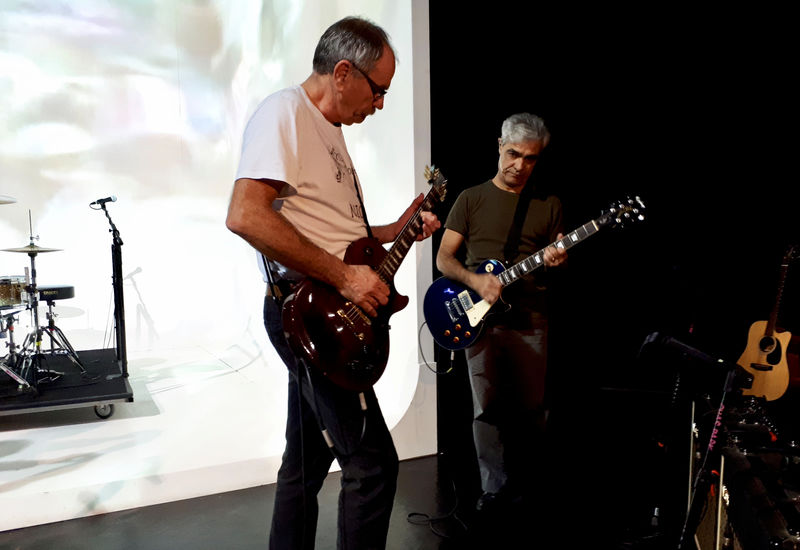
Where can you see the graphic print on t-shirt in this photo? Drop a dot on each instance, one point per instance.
(341, 165)
(341, 169)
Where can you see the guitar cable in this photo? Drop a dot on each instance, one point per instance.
(422, 353)
(421, 518)
(321, 424)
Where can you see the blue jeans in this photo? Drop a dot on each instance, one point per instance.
(362, 445)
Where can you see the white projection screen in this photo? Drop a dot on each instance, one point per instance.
(146, 100)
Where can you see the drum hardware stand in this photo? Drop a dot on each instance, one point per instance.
(29, 362)
(116, 281)
(57, 338)
(9, 362)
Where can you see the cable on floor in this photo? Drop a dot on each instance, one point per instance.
(420, 518)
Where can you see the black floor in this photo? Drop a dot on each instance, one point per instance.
(239, 521)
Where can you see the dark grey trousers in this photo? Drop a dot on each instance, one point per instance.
(362, 445)
(507, 368)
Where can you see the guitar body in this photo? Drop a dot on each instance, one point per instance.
(765, 358)
(455, 313)
(333, 335)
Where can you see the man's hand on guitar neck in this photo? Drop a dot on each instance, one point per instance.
(363, 287)
(555, 256)
(430, 223)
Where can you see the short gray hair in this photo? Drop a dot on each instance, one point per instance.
(524, 127)
(353, 38)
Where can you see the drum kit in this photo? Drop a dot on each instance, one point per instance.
(25, 363)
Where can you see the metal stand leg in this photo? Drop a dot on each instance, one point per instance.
(10, 363)
(58, 341)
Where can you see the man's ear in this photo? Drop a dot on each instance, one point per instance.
(341, 71)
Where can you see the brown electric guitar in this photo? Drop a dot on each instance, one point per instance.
(335, 336)
(765, 354)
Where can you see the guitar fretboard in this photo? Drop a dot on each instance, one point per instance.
(773, 317)
(408, 235)
(536, 260)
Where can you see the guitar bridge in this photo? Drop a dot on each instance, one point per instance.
(761, 367)
(347, 317)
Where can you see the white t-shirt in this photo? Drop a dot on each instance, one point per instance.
(288, 139)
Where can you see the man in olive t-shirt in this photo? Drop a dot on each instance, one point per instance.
(507, 364)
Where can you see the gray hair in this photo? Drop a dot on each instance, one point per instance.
(524, 127)
(353, 38)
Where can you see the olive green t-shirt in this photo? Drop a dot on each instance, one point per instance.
(483, 215)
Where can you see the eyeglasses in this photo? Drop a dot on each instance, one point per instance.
(377, 91)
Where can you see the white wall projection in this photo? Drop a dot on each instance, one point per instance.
(146, 100)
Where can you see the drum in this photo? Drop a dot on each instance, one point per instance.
(12, 290)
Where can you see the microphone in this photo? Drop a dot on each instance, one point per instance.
(100, 202)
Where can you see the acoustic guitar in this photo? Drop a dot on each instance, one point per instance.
(765, 354)
(336, 337)
(455, 313)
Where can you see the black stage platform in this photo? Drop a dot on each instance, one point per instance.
(101, 385)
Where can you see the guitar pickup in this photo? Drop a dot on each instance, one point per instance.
(454, 309)
(466, 300)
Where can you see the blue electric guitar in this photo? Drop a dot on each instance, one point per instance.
(455, 313)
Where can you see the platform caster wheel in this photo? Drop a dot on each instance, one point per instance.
(104, 411)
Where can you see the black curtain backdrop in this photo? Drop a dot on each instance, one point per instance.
(690, 111)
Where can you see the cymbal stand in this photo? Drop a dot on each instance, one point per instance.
(31, 362)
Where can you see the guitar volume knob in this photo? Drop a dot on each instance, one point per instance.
(457, 327)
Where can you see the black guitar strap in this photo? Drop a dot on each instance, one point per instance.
(361, 202)
(512, 242)
(274, 291)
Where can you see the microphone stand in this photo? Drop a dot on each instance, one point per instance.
(702, 480)
(119, 302)
(731, 385)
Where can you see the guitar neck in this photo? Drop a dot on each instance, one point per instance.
(536, 260)
(407, 237)
(773, 317)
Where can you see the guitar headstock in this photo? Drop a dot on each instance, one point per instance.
(629, 210)
(792, 253)
(437, 180)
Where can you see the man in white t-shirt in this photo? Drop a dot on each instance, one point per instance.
(297, 200)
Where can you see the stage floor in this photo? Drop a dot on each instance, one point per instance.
(196, 426)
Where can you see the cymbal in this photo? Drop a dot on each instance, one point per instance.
(5, 199)
(31, 249)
